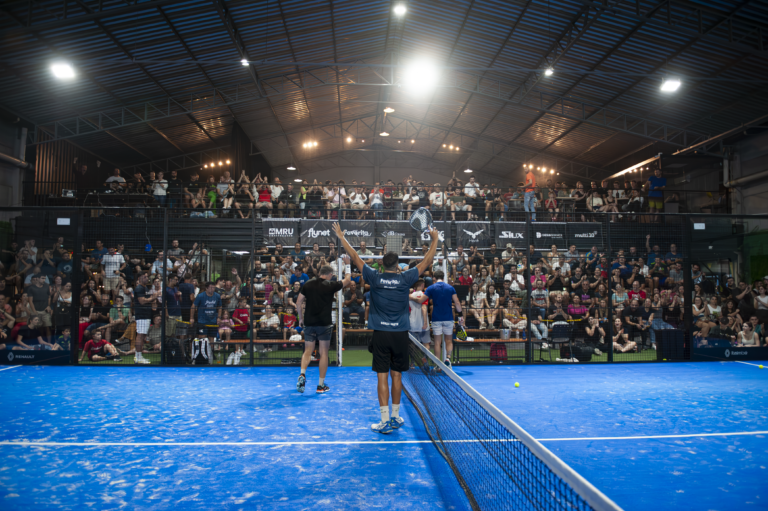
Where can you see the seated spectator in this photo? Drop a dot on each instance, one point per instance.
(268, 327)
(291, 323)
(475, 304)
(64, 341)
(621, 338)
(99, 350)
(635, 320)
(748, 337)
(119, 318)
(353, 303)
(299, 276)
(28, 337)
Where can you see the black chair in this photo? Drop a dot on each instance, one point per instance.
(560, 334)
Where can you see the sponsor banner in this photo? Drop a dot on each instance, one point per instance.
(730, 354)
(473, 233)
(546, 234)
(317, 231)
(280, 230)
(585, 234)
(386, 228)
(510, 232)
(359, 230)
(34, 357)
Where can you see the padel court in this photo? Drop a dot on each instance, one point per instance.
(661, 436)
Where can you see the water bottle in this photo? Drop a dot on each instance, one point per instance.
(523, 334)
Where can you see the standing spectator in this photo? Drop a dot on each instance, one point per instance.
(112, 265)
(78, 173)
(656, 186)
(116, 178)
(193, 192)
(207, 305)
(40, 296)
(144, 299)
(530, 193)
(286, 202)
(636, 319)
(173, 297)
(175, 188)
(159, 187)
(376, 200)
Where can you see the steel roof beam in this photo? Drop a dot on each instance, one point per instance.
(740, 33)
(67, 21)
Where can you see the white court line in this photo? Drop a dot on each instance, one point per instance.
(12, 367)
(746, 363)
(354, 442)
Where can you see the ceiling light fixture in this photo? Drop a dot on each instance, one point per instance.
(457, 148)
(420, 77)
(549, 71)
(228, 162)
(363, 141)
(291, 167)
(297, 180)
(315, 144)
(443, 145)
(389, 110)
(670, 85)
(63, 71)
(413, 141)
(221, 163)
(383, 134)
(206, 166)
(468, 171)
(400, 9)
(349, 139)
(244, 62)
(450, 147)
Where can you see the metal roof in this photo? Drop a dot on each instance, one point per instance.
(161, 78)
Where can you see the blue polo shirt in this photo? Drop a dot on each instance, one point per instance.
(655, 182)
(389, 299)
(301, 280)
(441, 295)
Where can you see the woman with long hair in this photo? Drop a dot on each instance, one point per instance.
(621, 342)
(491, 304)
(476, 304)
(700, 320)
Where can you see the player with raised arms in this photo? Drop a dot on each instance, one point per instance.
(389, 319)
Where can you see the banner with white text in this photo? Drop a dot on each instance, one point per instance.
(280, 230)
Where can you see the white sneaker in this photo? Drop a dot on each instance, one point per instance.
(598, 352)
(237, 359)
(230, 358)
(544, 346)
(139, 359)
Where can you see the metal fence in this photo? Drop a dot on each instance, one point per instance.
(553, 291)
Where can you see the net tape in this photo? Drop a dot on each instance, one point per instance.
(498, 464)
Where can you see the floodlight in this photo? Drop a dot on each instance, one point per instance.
(244, 62)
(670, 85)
(389, 110)
(315, 144)
(228, 162)
(400, 9)
(291, 168)
(349, 139)
(206, 165)
(443, 145)
(413, 141)
(63, 71)
(468, 171)
(383, 134)
(221, 163)
(297, 180)
(420, 77)
(549, 71)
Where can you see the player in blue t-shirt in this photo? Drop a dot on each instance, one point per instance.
(389, 319)
(208, 307)
(443, 298)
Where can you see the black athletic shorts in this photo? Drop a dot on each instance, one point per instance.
(390, 351)
(207, 331)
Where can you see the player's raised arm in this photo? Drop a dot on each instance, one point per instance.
(356, 260)
(427, 261)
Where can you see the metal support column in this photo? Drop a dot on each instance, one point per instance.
(609, 330)
(74, 310)
(165, 274)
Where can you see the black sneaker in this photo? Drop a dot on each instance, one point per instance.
(300, 384)
(448, 363)
(322, 389)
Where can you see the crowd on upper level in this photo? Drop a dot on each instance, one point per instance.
(223, 195)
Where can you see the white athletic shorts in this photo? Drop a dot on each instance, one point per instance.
(442, 328)
(142, 326)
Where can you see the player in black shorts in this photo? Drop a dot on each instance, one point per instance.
(389, 319)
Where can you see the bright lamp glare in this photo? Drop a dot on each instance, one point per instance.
(349, 139)
(420, 77)
(383, 134)
(549, 71)
(315, 144)
(400, 9)
(389, 110)
(291, 168)
(468, 171)
(228, 162)
(63, 71)
(670, 85)
(297, 180)
(244, 62)
(413, 141)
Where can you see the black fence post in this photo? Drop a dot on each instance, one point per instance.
(74, 311)
(688, 286)
(528, 288)
(165, 275)
(251, 267)
(609, 330)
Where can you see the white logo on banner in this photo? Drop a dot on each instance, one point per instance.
(316, 234)
(592, 234)
(10, 357)
(426, 237)
(359, 234)
(393, 233)
(727, 353)
(474, 235)
(549, 235)
(284, 232)
(511, 235)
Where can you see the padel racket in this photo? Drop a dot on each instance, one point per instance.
(421, 220)
(461, 333)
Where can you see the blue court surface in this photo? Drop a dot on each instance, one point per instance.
(649, 436)
(215, 438)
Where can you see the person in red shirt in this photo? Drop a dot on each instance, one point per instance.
(240, 318)
(289, 323)
(99, 350)
(465, 279)
(636, 293)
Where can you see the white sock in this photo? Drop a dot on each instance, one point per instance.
(321, 381)
(395, 410)
(384, 413)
